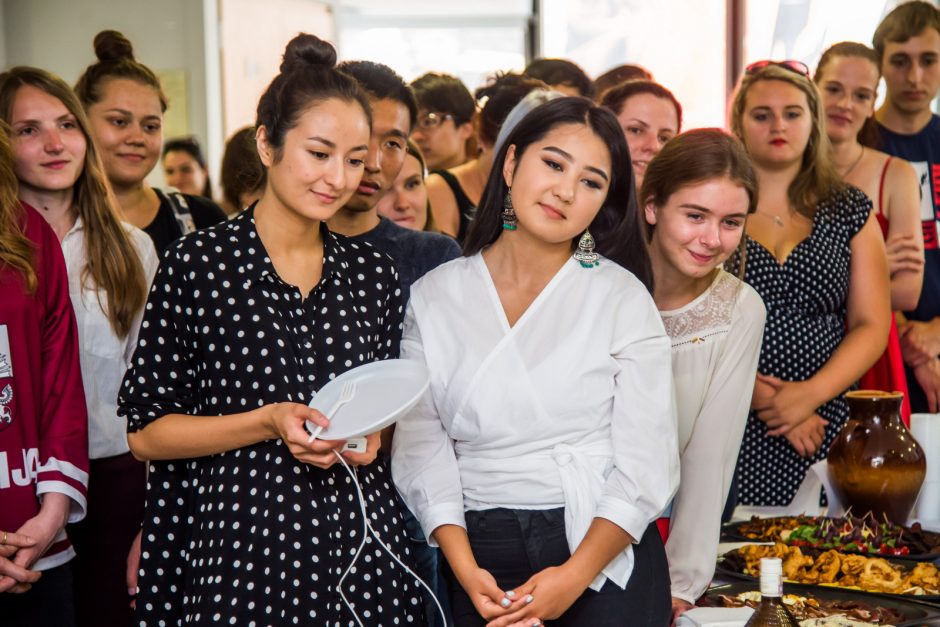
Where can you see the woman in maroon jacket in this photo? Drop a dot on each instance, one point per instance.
(43, 420)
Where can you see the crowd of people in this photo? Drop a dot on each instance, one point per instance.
(629, 330)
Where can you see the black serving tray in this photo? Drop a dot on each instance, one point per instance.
(721, 571)
(917, 614)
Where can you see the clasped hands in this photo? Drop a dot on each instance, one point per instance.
(546, 595)
(788, 408)
(14, 576)
(20, 550)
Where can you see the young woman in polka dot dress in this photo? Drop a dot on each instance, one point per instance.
(245, 322)
(816, 257)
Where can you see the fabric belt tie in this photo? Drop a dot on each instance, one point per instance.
(582, 485)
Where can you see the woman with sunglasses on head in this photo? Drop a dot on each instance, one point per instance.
(816, 257)
(648, 114)
(110, 266)
(43, 417)
(125, 106)
(455, 193)
(247, 320)
(697, 194)
(547, 445)
(847, 76)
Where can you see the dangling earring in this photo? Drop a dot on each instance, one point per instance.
(509, 214)
(585, 253)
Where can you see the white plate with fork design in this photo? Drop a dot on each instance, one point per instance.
(369, 398)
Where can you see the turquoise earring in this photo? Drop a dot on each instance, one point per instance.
(509, 214)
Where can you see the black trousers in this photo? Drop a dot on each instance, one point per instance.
(513, 545)
(117, 487)
(48, 603)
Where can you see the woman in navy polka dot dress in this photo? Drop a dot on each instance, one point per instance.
(246, 320)
(815, 255)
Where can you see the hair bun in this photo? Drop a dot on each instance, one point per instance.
(306, 50)
(110, 45)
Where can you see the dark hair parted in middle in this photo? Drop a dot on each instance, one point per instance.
(308, 76)
(615, 97)
(190, 145)
(618, 228)
(383, 83)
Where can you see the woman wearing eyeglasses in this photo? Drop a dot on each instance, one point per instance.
(848, 75)
(454, 194)
(815, 255)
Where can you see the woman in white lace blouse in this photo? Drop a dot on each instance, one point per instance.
(696, 195)
(547, 445)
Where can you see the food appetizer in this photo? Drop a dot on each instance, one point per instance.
(871, 574)
(849, 534)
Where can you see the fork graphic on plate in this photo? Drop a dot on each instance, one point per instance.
(345, 395)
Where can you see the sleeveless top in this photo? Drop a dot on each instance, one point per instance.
(888, 372)
(465, 206)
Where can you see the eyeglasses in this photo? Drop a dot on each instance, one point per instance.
(797, 67)
(433, 120)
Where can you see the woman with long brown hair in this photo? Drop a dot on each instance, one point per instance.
(110, 265)
(697, 194)
(43, 418)
(847, 75)
(816, 257)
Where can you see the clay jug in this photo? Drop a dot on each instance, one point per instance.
(875, 464)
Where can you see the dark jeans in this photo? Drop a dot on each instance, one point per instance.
(513, 545)
(48, 603)
(117, 487)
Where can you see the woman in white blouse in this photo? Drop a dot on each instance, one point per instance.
(110, 266)
(547, 445)
(697, 194)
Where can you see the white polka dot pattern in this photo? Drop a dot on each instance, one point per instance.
(805, 299)
(252, 536)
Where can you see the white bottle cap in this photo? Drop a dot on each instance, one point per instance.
(771, 577)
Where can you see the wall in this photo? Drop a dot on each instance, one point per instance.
(167, 35)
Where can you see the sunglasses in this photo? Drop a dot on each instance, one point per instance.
(797, 67)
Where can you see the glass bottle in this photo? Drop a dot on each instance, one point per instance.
(771, 612)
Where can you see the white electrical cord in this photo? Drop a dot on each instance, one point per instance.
(366, 528)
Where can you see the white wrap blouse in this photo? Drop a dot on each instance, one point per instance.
(570, 407)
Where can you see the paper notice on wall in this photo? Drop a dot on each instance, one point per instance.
(176, 118)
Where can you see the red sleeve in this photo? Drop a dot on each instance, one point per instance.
(63, 445)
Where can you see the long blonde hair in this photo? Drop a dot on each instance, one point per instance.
(16, 250)
(817, 178)
(112, 261)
